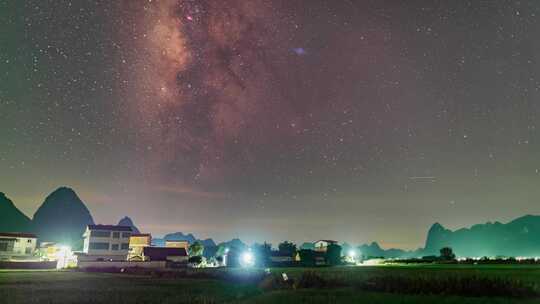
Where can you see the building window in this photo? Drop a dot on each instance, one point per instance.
(116, 235)
(125, 246)
(98, 233)
(99, 246)
(114, 247)
(28, 250)
(29, 241)
(3, 246)
(126, 235)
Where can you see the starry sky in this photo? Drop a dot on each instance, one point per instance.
(269, 120)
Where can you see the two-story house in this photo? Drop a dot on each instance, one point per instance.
(105, 243)
(322, 245)
(17, 246)
(137, 243)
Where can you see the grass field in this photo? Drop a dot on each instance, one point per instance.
(78, 287)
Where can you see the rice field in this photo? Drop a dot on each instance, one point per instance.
(340, 285)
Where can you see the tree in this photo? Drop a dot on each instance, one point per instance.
(196, 249)
(307, 257)
(333, 254)
(195, 259)
(287, 248)
(233, 257)
(221, 251)
(447, 254)
(262, 254)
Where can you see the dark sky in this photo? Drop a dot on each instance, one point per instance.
(271, 120)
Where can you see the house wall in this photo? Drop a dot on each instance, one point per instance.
(178, 259)
(18, 247)
(177, 244)
(123, 264)
(321, 246)
(112, 241)
(137, 244)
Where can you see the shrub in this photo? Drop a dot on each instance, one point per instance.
(471, 286)
(195, 259)
(275, 282)
(311, 279)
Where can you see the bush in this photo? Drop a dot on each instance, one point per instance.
(195, 259)
(471, 286)
(275, 282)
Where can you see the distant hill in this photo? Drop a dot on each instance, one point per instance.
(62, 218)
(208, 243)
(374, 250)
(307, 246)
(179, 236)
(11, 218)
(234, 243)
(126, 221)
(520, 237)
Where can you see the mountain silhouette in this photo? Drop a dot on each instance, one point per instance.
(374, 250)
(520, 237)
(179, 236)
(208, 243)
(62, 218)
(189, 237)
(234, 243)
(126, 221)
(11, 218)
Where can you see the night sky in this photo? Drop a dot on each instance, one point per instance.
(270, 120)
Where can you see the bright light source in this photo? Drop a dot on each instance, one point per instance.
(63, 255)
(351, 253)
(247, 259)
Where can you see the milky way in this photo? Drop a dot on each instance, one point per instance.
(205, 87)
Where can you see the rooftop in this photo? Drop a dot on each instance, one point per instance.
(109, 227)
(141, 235)
(327, 241)
(18, 235)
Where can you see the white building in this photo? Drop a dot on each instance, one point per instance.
(17, 246)
(105, 243)
(322, 245)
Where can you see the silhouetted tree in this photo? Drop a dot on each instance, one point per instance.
(221, 251)
(196, 249)
(307, 257)
(447, 254)
(262, 254)
(233, 256)
(195, 259)
(333, 254)
(287, 248)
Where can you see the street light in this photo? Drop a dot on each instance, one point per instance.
(247, 259)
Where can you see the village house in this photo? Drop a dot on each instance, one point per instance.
(105, 243)
(279, 259)
(169, 254)
(17, 246)
(322, 245)
(177, 244)
(137, 243)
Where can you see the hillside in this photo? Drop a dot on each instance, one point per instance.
(11, 218)
(520, 237)
(62, 218)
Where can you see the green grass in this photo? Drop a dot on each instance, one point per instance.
(79, 287)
